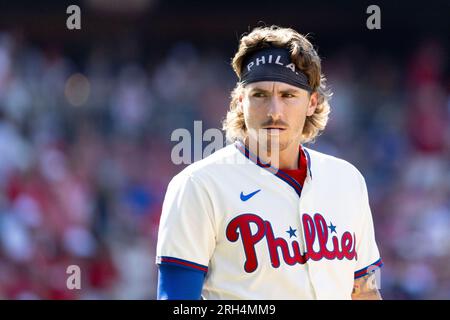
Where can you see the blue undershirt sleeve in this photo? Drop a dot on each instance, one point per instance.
(178, 283)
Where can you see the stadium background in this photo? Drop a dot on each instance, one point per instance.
(86, 118)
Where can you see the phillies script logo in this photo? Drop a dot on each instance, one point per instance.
(315, 228)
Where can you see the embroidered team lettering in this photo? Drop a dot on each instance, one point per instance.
(270, 59)
(315, 230)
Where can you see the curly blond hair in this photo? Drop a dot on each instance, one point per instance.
(306, 59)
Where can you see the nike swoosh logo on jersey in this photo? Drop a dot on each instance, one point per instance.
(245, 197)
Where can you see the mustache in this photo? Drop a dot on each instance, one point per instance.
(271, 122)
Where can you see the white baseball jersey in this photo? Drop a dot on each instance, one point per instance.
(258, 234)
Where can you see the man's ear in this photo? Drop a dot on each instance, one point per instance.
(240, 101)
(312, 105)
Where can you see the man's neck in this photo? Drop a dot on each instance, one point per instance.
(289, 158)
(281, 159)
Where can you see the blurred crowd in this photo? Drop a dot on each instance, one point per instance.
(85, 148)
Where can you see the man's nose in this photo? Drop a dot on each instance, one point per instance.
(275, 107)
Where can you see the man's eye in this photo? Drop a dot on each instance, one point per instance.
(288, 95)
(259, 94)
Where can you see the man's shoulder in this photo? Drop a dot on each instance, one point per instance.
(322, 162)
(214, 164)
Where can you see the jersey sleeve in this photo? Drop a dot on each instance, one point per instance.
(368, 255)
(186, 235)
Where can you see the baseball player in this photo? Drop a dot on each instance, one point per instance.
(266, 217)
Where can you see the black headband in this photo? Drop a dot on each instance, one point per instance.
(273, 64)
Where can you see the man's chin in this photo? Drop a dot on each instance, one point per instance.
(272, 146)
